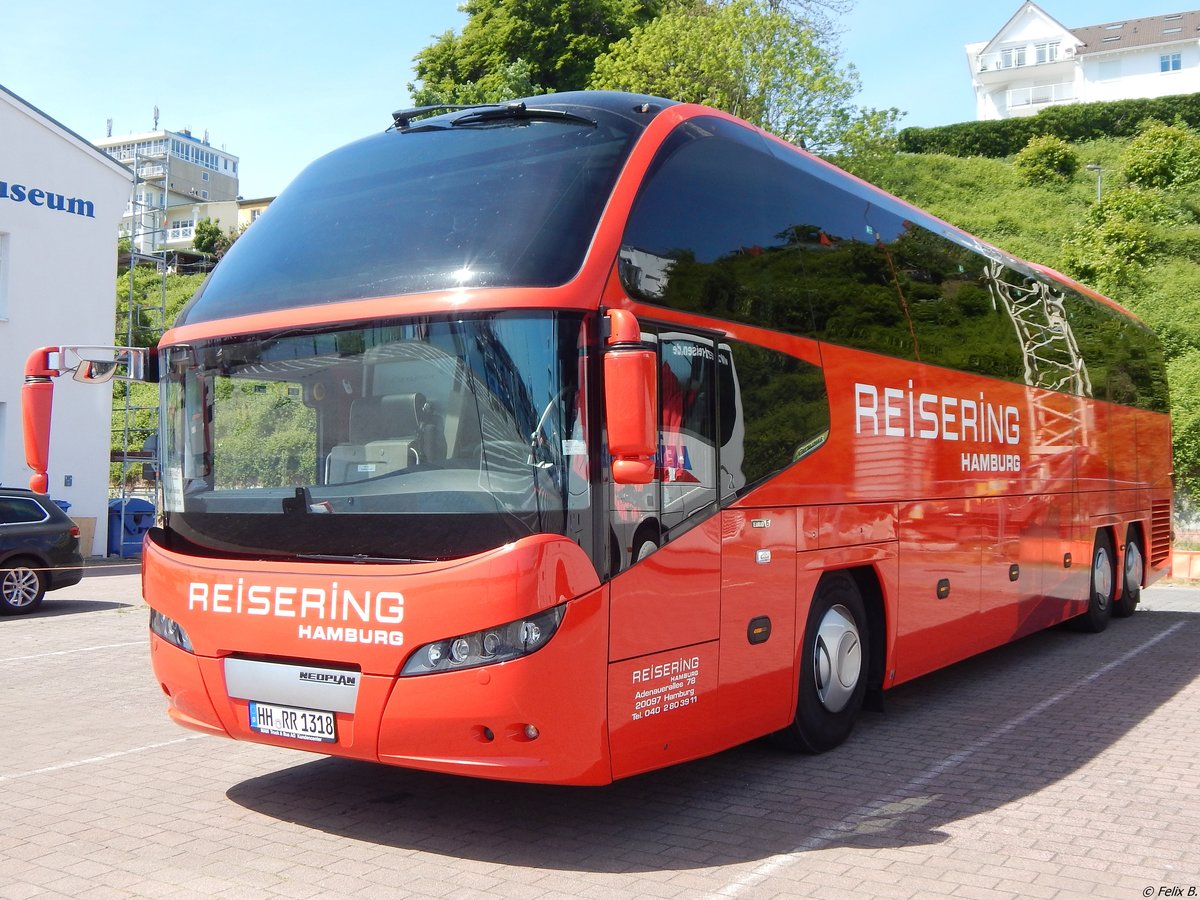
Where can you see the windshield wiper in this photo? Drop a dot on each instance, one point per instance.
(402, 118)
(482, 114)
(517, 111)
(357, 558)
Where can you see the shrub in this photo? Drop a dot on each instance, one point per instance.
(1162, 156)
(1046, 160)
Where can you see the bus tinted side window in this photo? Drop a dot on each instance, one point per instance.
(709, 230)
(731, 226)
(774, 411)
(1124, 360)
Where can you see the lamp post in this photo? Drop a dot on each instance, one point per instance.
(1099, 170)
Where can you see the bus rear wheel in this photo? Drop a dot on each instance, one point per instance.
(1103, 587)
(833, 667)
(1133, 571)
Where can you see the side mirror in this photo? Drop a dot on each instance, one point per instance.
(37, 394)
(98, 365)
(630, 400)
(95, 371)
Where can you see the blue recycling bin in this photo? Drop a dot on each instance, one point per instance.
(125, 538)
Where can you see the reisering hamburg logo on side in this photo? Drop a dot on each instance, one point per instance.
(906, 413)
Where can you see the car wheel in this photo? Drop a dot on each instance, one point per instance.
(22, 587)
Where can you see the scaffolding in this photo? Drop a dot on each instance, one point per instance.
(140, 324)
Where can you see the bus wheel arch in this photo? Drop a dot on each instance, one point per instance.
(871, 588)
(1133, 572)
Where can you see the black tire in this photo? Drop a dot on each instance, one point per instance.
(22, 587)
(834, 666)
(1133, 567)
(1102, 589)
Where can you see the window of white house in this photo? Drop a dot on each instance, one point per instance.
(1170, 62)
(1014, 56)
(1172, 30)
(1047, 52)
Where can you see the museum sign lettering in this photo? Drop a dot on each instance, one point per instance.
(20, 193)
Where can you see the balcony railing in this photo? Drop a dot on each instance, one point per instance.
(1041, 95)
(1021, 58)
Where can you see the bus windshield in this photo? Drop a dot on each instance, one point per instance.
(433, 207)
(423, 439)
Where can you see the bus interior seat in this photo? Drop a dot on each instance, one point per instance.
(386, 434)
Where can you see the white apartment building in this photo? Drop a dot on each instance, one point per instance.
(1034, 61)
(181, 180)
(60, 202)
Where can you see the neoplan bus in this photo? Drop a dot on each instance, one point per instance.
(569, 438)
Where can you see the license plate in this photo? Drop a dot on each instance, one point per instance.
(290, 722)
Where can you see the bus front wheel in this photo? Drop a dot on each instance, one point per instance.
(833, 667)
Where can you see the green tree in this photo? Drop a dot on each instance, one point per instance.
(761, 60)
(516, 48)
(209, 238)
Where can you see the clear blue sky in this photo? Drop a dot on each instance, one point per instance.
(280, 83)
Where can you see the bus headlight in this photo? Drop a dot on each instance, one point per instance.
(482, 648)
(170, 631)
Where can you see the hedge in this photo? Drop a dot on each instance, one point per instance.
(1072, 122)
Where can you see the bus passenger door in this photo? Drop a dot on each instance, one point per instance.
(665, 600)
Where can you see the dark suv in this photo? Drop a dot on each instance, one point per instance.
(39, 550)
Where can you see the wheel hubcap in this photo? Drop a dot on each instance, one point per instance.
(1102, 577)
(837, 658)
(20, 587)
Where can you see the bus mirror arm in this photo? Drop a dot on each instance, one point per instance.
(630, 400)
(96, 365)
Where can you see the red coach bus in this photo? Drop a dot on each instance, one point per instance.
(566, 439)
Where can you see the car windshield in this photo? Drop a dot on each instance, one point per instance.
(423, 439)
(507, 203)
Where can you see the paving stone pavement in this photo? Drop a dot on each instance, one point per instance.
(1064, 765)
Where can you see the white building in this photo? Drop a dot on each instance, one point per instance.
(1034, 61)
(181, 180)
(60, 202)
